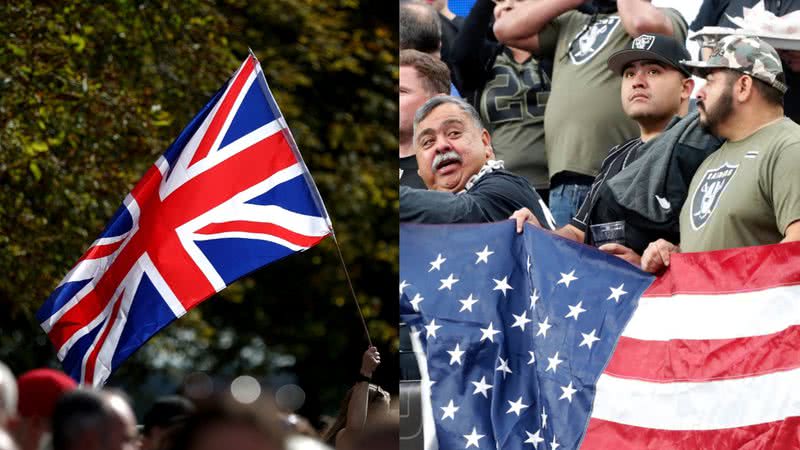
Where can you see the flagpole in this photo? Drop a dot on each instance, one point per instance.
(315, 192)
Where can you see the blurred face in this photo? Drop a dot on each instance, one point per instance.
(122, 433)
(437, 4)
(450, 148)
(229, 436)
(715, 100)
(412, 95)
(652, 91)
(503, 7)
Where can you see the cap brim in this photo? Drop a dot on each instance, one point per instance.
(622, 58)
(701, 68)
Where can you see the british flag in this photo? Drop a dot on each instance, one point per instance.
(231, 194)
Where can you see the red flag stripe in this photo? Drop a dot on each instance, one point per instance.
(98, 344)
(701, 360)
(745, 269)
(605, 435)
(260, 228)
(101, 251)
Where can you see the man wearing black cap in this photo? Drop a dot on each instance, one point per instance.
(641, 180)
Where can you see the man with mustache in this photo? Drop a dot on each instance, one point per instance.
(456, 162)
(747, 192)
(655, 89)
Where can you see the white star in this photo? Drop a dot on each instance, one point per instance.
(502, 285)
(449, 410)
(554, 445)
(488, 333)
(543, 327)
(568, 392)
(520, 321)
(553, 363)
(544, 418)
(574, 310)
(529, 264)
(503, 367)
(533, 358)
(589, 339)
(432, 327)
(473, 438)
(516, 407)
(534, 438)
(455, 355)
(567, 278)
(403, 285)
(534, 299)
(468, 302)
(448, 283)
(616, 293)
(437, 264)
(416, 301)
(484, 255)
(482, 387)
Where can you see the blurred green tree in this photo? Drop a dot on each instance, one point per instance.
(91, 94)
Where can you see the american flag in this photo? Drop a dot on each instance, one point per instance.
(513, 358)
(230, 195)
(516, 330)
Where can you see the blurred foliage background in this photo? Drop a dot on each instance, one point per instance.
(92, 93)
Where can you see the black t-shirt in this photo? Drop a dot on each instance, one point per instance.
(408, 173)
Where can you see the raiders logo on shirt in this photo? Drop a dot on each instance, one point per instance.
(706, 197)
(589, 41)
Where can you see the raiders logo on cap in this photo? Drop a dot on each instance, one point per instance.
(643, 42)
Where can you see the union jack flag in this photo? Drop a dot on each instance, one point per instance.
(231, 194)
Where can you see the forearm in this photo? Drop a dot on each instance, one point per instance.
(529, 18)
(640, 16)
(357, 408)
(422, 206)
(570, 232)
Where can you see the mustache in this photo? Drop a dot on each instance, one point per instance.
(701, 105)
(441, 158)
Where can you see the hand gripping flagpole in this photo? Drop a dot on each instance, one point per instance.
(262, 81)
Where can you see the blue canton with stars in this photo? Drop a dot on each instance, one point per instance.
(516, 330)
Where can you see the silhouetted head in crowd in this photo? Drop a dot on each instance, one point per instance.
(86, 419)
(166, 412)
(378, 402)
(39, 390)
(420, 28)
(225, 424)
(8, 396)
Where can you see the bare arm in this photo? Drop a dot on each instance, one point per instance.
(792, 232)
(521, 29)
(640, 16)
(358, 405)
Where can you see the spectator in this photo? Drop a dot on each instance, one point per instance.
(656, 165)
(225, 424)
(716, 13)
(421, 77)
(456, 162)
(39, 390)
(583, 118)
(384, 435)
(420, 29)
(747, 192)
(85, 419)
(509, 88)
(8, 397)
(450, 24)
(166, 412)
(363, 405)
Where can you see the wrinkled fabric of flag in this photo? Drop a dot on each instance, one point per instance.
(516, 330)
(230, 195)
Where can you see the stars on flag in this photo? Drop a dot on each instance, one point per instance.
(543, 327)
(567, 278)
(567, 392)
(521, 320)
(534, 298)
(482, 387)
(534, 438)
(616, 293)
(437, 263)
(575, 310)
(489, 332)
(516, 407)
(589, 339)
(484, 255)
(448, 283)
(503, 367)
(553, 363)
(467, 303)
(473, 438)
(431, 328)
(455, 355)
(449, 410)
(416, 301)
(403, 285)
(502, 285)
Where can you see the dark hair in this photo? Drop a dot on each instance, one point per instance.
(167, 411)
(76, 413)
(216, 411)
(434, 73)
(375, 394)
(420, 28)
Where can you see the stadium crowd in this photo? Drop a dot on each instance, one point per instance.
(44, 409)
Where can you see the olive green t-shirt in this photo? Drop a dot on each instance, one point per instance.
(746, 193)
(512, 106)
(584, 116)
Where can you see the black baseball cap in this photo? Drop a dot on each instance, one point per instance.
(656, 47)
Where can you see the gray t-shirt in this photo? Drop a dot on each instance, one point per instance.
(746, 193)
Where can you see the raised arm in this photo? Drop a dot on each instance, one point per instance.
(521, 29)
(640, 16)
(359, 401)
(472, 49)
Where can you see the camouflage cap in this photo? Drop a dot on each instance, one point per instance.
(746, 54)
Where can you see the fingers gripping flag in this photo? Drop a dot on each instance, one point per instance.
(230, 195)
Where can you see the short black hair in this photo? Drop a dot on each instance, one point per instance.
(167, 411)
(420, 28)
(75, 413)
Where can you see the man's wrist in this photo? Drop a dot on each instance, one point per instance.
(361, 377)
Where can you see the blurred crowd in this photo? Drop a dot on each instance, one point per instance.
(44, 409)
